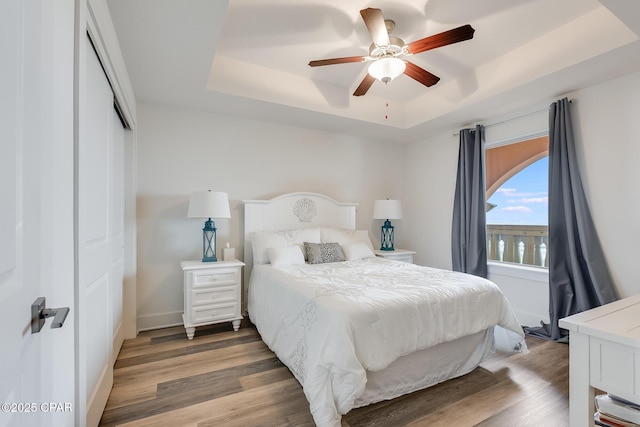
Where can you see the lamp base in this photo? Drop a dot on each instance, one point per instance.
(386, 236)
(209, 241)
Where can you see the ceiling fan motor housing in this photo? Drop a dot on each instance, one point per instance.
(395, 48)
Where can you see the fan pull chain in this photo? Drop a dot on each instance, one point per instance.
(386, 101)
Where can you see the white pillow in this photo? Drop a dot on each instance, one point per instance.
(291, 255)
(356, 251)
(261, 240)
(345, 237)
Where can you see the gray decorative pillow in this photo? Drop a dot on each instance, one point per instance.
(319, 253)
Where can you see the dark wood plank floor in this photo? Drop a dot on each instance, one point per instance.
(226, 378)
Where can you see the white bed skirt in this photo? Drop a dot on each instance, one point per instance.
(428, 367)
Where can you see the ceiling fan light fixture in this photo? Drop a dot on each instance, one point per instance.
(387, 69)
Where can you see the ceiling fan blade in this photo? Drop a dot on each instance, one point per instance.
(374, 21)
(442, 39)
(364, 85)
(332, 61)
(420, 74)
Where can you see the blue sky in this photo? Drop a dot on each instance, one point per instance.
(524, 198)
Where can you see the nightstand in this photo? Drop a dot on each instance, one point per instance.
(212, 294)
(396, 255)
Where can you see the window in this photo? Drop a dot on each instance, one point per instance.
(517, 202)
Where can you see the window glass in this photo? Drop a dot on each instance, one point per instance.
(517, 202)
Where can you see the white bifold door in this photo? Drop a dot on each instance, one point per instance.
(100, 239)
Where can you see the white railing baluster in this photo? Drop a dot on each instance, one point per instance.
(520, 251)
(501, 250)
(543, 254)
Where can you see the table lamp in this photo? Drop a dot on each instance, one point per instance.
(387, 209)
(209, 204)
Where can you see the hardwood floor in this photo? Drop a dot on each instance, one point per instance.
(226, 378)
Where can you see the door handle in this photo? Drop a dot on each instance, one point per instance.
(39, 313)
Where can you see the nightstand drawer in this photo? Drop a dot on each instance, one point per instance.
(214, 313)
(216, 294)
(222, 276)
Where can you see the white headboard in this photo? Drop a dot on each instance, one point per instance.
(291, 211)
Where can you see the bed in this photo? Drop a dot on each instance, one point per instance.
(353, 328)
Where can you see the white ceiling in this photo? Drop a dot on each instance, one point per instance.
(250, 57)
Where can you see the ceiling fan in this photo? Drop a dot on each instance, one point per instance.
(386, 50)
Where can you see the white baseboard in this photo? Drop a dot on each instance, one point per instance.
(159, 321)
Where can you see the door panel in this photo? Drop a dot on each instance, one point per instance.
(36, 209)
(14, 295)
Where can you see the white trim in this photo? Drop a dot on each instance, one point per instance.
(526, 272)
(129, 294)
(105, 41)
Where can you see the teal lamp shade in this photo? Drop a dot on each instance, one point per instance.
(387, 209)
(209, 204)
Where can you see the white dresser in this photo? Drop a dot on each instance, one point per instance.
(604, 353)
(212, 293)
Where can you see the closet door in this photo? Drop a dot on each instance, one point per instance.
(100, 237)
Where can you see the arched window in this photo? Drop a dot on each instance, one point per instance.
(517, 202)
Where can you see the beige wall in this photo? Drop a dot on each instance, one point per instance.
(180, 151)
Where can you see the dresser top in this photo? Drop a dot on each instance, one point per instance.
(618, 321)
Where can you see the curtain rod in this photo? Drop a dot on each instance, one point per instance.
(513, 118)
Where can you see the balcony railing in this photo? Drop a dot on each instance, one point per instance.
(520, 244)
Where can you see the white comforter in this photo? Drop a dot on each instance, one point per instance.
(330, 323)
